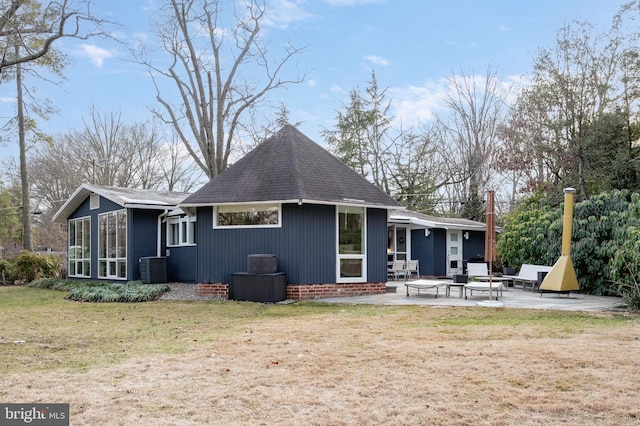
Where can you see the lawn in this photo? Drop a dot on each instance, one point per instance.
(175, 362)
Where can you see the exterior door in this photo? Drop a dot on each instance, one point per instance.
(454, 252)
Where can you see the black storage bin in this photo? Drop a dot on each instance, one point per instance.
(541, 277)
(460, 279)
(153, 270)
(258, 288)
(262, 264)
(508, 271)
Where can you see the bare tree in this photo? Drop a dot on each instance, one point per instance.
(177, 167)
(220, 73)
(107, 151)
(469, 133)
(577, 82)
(27, 32)
(34, 26)
(417, 171)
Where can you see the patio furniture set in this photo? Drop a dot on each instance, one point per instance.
(478, 279)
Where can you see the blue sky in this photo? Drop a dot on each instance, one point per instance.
(412, 45)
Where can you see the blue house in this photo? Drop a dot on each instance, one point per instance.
(325, 224)
(110, 229)
(441, 245)
(289, 197)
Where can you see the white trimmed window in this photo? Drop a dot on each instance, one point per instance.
(351, 244)
(112, 245)
(80, 247)
(247, 215)
(181, 231)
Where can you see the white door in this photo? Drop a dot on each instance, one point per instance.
(454, 252)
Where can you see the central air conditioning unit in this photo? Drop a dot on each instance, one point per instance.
(153, 270)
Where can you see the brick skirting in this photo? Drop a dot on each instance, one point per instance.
(217, 291)
(321, 291)
(220, 291)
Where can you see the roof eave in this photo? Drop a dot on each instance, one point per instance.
(298, 201)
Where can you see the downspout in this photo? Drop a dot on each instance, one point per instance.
(159, 242)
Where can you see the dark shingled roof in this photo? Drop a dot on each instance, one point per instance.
(289, 167)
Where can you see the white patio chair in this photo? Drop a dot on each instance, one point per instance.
(398, 268)
(413, 269)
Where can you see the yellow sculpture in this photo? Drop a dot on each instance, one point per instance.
(562, 277)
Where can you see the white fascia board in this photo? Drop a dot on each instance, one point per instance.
(133, 201)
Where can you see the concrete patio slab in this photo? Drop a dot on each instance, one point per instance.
(511, 298)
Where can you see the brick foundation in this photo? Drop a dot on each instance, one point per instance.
(218, 291)
(321, 291)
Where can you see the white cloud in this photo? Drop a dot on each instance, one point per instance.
(377, 60)
(417, 104)
(283, 12)
(96, 54)
(7, 100)
(503, 28)
(336, 88)
(311, 83)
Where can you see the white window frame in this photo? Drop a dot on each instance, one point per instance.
(116, 260)
(85, 259)
(186, 231)
(346, 256)
(247, 208)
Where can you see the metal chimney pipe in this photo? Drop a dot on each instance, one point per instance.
(567, 221)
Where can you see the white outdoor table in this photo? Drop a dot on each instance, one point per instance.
(424, 284)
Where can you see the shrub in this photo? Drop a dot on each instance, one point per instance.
(100, 291)
(6, 272)
(29, 266)
(604, 226)
(132, 291)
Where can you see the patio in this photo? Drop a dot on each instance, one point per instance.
(511, 298)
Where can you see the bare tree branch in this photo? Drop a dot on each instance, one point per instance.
(209, 66)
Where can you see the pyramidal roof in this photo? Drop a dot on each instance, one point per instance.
(290, 167)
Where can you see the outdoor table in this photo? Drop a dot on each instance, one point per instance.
(424, 284)
(454, 284)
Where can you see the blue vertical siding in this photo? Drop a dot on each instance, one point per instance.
(422, 251)
(376, 245)
(474, 246)
(182, 264)
(305, 245)
(430, 251)
(142, 238)
(439, 251)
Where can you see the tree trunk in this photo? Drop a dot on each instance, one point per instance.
(27, 242)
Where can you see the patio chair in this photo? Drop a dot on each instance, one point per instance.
(398, 268)
(413, 269)
(478, 269)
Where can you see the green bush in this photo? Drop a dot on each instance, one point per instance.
(100, 291)
(604, 239)
(28, 266)
(133, 291)
(6, 272)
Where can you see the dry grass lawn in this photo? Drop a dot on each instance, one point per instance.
(228, 363)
